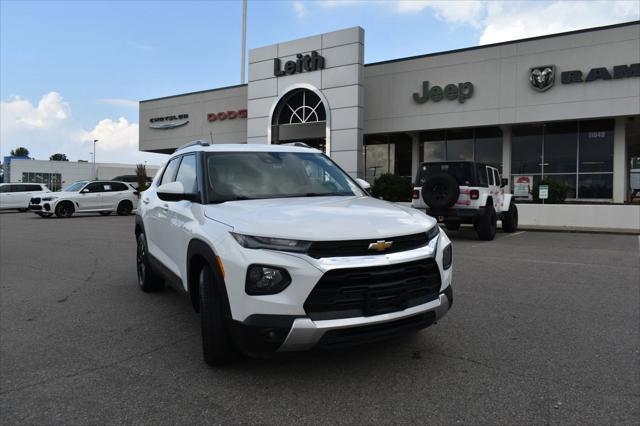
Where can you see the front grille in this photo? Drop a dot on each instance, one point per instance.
(35, 200)
(356, 292)
(320, 249)
(35, 207)
(371, 333)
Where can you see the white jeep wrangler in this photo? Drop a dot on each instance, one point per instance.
(457, 192)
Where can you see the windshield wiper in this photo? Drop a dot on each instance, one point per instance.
(325, 194)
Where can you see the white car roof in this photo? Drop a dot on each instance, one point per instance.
(246, 148)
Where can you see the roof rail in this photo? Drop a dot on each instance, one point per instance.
(192, 143)
(300, 144)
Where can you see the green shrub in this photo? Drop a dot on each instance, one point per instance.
(557, 191)
(392, 188)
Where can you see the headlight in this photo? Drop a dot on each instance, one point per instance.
(49, 198)
(433, 232)
(263, 279)
(447, 257)
(281, 244)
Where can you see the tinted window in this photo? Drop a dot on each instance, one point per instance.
(34, 188)
(95, 187)
(5, 188)
(461, 171)
(117, 186)
(489, 146)
(460, 144)
(526, 149)
(187, 174)
(481, 172)
(596, 146)
(560, 147)
(490, 174)
(496, 177)
(170, 171)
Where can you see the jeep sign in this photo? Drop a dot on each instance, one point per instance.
(461, 92)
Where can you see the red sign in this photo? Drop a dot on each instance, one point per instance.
(227, 115)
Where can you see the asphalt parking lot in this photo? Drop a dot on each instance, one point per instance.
(544, 329)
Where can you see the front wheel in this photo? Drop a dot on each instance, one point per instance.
(217, 345)
(510, 219)
(486, 224)
(64, 209)
(147, 279)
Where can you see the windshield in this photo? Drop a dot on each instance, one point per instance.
(256, 175)
(74, 187)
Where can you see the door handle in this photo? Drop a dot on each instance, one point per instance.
(165, 207)
(145, 200)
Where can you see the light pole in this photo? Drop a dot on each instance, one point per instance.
(94, 159)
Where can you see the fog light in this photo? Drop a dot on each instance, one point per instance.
(262, 279)
(447, 257)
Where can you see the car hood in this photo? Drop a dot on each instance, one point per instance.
(320, 218)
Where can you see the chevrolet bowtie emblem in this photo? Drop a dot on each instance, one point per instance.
(381, 245)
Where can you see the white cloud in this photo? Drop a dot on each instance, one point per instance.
(299, 9)
(510, 20)
(119, 102)
(515, 20)
(48, 127)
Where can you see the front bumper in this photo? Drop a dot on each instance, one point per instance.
(278, 333)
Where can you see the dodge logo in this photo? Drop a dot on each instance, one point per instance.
(542, 78)
(380, 245)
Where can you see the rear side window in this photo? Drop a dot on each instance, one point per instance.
(170, 171)
(5, 188)
(481, 172)
(187, 174)
(117, 186)
(33, 187)
(491, 181)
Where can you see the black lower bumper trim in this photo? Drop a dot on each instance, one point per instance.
(261, 333)
(35, 207)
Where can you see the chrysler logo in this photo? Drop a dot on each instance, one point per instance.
(381, 245)
(169, 121)
(542, 78)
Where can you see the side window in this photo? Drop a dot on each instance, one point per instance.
(94, 187)
(496, 177)
(170, 171)
(482, 176)
(490, 173)
(5, 188)
(117, 186)
(187, 174)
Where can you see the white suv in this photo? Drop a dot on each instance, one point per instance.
(17, 195)
(104, 197)
(280, 250)
(459, 192)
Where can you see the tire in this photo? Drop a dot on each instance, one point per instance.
(217, 345)
(486, 224)
(124, 208)
(440, 191)
(452, 226)
(64, 209)
(148, 281)
(510, 219)
(105, 213)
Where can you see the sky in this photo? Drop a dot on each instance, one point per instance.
(74, 71)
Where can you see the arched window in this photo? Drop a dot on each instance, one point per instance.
(299, 106)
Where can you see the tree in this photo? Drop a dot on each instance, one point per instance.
(59, 157)
(141, 175)
(20, 152)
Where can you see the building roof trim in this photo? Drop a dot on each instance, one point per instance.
(503, 43)
(195, 93)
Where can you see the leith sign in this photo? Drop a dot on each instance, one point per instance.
(460, 91)
(302, 63)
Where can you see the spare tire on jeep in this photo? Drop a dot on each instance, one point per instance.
(440, 190)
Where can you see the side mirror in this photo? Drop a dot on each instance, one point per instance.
(174, 191)
(364, 184)
(505, 182)
(84, 191)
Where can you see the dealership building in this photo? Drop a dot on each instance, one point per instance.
(564, 106)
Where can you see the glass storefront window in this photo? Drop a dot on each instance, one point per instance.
(459, 145)
(433, 146)
(560, 150)
(596, 146)
(526, 149)
(595, 186)
(488, 148)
